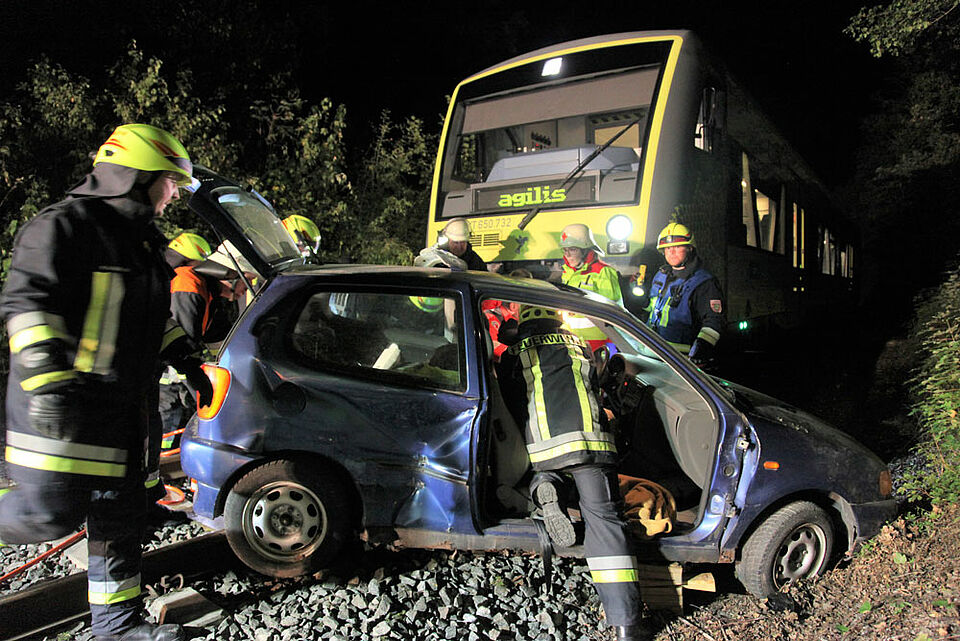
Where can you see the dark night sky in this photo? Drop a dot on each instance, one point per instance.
(792, 57)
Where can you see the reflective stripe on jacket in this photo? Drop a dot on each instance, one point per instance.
(551, 370)
(88, 291)
(671, 313)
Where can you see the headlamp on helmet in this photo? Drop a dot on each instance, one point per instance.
(675, 235)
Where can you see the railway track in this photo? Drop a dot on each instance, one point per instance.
(48, 607)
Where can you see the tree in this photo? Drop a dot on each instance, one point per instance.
(908, 164)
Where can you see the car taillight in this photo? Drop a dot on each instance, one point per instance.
(220, 379)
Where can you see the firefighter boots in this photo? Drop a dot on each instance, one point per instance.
(555, 518)
(149, 632)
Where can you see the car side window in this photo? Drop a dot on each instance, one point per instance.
(413, 340)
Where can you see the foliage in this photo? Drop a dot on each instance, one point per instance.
(908, 163)
(896, 28)
(289, 149)
(936, 390)
(393, 191)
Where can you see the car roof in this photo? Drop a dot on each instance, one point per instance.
(493, 285)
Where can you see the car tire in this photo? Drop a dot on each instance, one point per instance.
(795, 542)
(288, 518)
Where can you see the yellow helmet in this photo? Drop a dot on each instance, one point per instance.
(530, 312)
(297, 225)
(456, 230)
(192, 246)
(674, 235)
(147, 148)
(428, 304)
(579, 235)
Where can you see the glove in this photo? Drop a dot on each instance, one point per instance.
(197, 381)
(57, 415)
(702, 354)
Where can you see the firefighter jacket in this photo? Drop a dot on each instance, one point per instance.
(686, 305)
(497, 312)
(191, 302)
(550, 386)
(86, 305)
(592, 276)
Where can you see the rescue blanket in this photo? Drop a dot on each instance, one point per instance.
(648, 508)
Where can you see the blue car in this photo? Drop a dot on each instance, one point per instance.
(359, 400)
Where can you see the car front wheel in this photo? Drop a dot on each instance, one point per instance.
(793, 543)
(287, 518)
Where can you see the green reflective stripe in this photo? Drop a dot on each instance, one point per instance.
(59, 447)
(34, 382)
(574, 446)
(709, 334)
(621, 562)
(152, 480)
(683, 348)
(166, 443)
(614, 576)
(33, 335)
(46, 462)
(665, 313)
(171, 333)
(534, 379)
(586, 410)
(106, 598)
(101, 325)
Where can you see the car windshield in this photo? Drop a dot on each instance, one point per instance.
(258, 223)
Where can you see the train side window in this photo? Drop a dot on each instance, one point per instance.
(799, 228)
(748, 217)
(767, 211)
(708, 119)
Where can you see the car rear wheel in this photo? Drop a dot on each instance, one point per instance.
(287, 518)
(794, 543)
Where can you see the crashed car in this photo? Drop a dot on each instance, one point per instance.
(358, 400)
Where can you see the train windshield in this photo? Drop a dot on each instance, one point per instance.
(564, 132)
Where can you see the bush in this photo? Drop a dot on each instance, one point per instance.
(935, 388)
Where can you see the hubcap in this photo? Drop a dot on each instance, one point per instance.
(800, 555)
(284, 521)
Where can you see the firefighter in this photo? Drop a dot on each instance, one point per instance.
(455, 238)
(685, 302)
(583, 269)
(549, 382)
(192, 297)
(304, 232)
(86, 305)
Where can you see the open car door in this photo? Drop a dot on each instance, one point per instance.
(245, 221)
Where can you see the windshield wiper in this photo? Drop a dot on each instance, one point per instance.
(573, 175)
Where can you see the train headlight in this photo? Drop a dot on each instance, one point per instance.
(619, 228)
(552, 67)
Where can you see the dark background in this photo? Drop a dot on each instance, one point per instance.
(793, 57)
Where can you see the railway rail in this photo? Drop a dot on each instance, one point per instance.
(49, 607)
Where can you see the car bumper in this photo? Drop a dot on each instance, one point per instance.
(870, 517)
(211, 465)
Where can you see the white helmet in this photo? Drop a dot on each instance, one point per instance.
(456, 230)
(579, 235)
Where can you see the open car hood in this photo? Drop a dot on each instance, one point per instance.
(244, 219)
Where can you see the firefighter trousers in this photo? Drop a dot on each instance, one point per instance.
(35, 511)
(606, 540)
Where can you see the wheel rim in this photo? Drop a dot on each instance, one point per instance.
(284, 521)
(801, 554)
